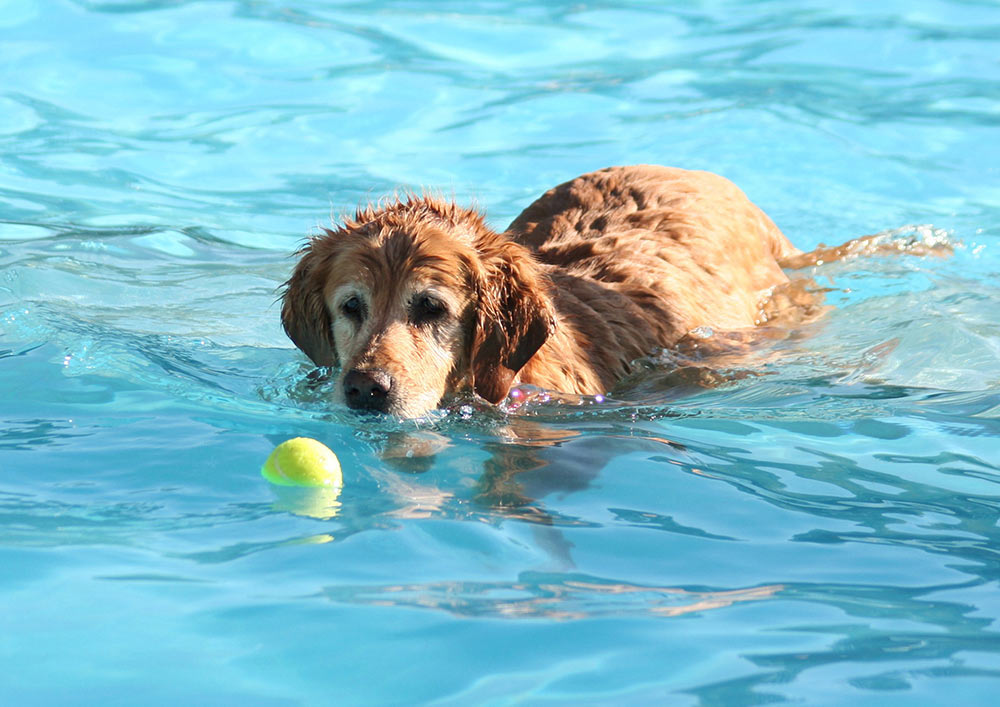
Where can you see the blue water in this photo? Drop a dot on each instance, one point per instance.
(824, 532)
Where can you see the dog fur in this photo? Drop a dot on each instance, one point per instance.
(419, 298)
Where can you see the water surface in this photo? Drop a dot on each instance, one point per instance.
(824, 531)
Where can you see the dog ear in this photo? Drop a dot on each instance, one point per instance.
(515, 317)
(304, 315)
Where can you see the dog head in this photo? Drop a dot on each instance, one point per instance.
(416, 300)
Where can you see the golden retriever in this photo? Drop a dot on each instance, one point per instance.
(419, 298)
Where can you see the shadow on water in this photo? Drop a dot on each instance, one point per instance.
(543, 452)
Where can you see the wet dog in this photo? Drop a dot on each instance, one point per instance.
(419, 298)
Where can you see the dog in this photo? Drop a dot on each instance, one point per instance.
(418, 298)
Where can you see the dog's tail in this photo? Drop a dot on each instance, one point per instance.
(920, 240)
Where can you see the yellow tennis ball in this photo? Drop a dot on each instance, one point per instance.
(303, 462)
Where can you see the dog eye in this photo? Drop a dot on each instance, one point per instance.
(353, 308)
(427, 309)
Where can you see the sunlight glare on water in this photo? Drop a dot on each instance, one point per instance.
(820, 528)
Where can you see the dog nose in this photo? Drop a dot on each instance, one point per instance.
(367, 390)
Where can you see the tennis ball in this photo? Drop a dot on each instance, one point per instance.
(303, 462)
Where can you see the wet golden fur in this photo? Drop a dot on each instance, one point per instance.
(596, 273)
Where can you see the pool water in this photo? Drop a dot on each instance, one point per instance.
(823, 531)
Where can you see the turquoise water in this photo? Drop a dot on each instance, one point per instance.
(825, 532)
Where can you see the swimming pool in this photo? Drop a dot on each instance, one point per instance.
(825, 532)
